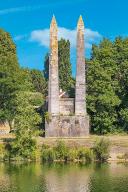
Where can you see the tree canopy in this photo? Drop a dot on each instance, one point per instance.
(9, 76)
(107, 86)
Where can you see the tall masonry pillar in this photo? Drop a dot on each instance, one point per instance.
(80, 103)
(53, 85)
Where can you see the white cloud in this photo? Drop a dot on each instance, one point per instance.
(36, 7)
(20, 9)
(13, 10)
(19, 37)
(42, 36)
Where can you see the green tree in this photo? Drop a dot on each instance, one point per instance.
(65, 72)
(26, 126)
(38, 81)
(9, 80)
(121, 59)
(102, 98)
(16, 104)
(25, 79)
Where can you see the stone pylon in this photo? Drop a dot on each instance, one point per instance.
(53, 87)
(80, 104)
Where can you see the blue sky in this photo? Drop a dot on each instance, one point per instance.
(28, 22)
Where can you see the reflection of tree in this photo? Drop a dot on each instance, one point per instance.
(5, 182)
(60, 177)
(22, 178)
(109, 178)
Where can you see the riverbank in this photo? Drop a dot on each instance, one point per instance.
(118, 144)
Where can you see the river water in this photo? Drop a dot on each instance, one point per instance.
(63, 178)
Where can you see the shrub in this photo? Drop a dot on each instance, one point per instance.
(2, 151)
(62, 151)
(85, 154)
(48, 154)
(101, 149)
(72, 154)
(24, 148)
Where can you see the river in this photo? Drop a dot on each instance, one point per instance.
(36, 177)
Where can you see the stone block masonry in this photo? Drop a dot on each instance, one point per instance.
(80, 104)
(53, 92)
(67, 126)
(67, 116)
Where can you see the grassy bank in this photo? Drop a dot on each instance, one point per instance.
(68, 149)
(58, 152)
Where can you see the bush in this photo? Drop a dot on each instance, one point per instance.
(48, 154)
(24, 148)
(2, 151)
(72, 154)
(101, 149)
(62, 151)
(85, 154)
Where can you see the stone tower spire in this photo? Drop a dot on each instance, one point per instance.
(80, 104)
(53, 90)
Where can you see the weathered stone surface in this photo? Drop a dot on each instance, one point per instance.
(67, 126)
(68, 116)
(53, 87)
(80, 104)
(67, 106)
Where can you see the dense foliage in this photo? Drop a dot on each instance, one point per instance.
(9, 80)
(26, 121)
(107, 86)
(38, 81)
(65, 72)
(16, 103)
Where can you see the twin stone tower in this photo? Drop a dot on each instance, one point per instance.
(67, 116)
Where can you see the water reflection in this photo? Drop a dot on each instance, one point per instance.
(109, 178)
(68, 178)
(63, 178)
